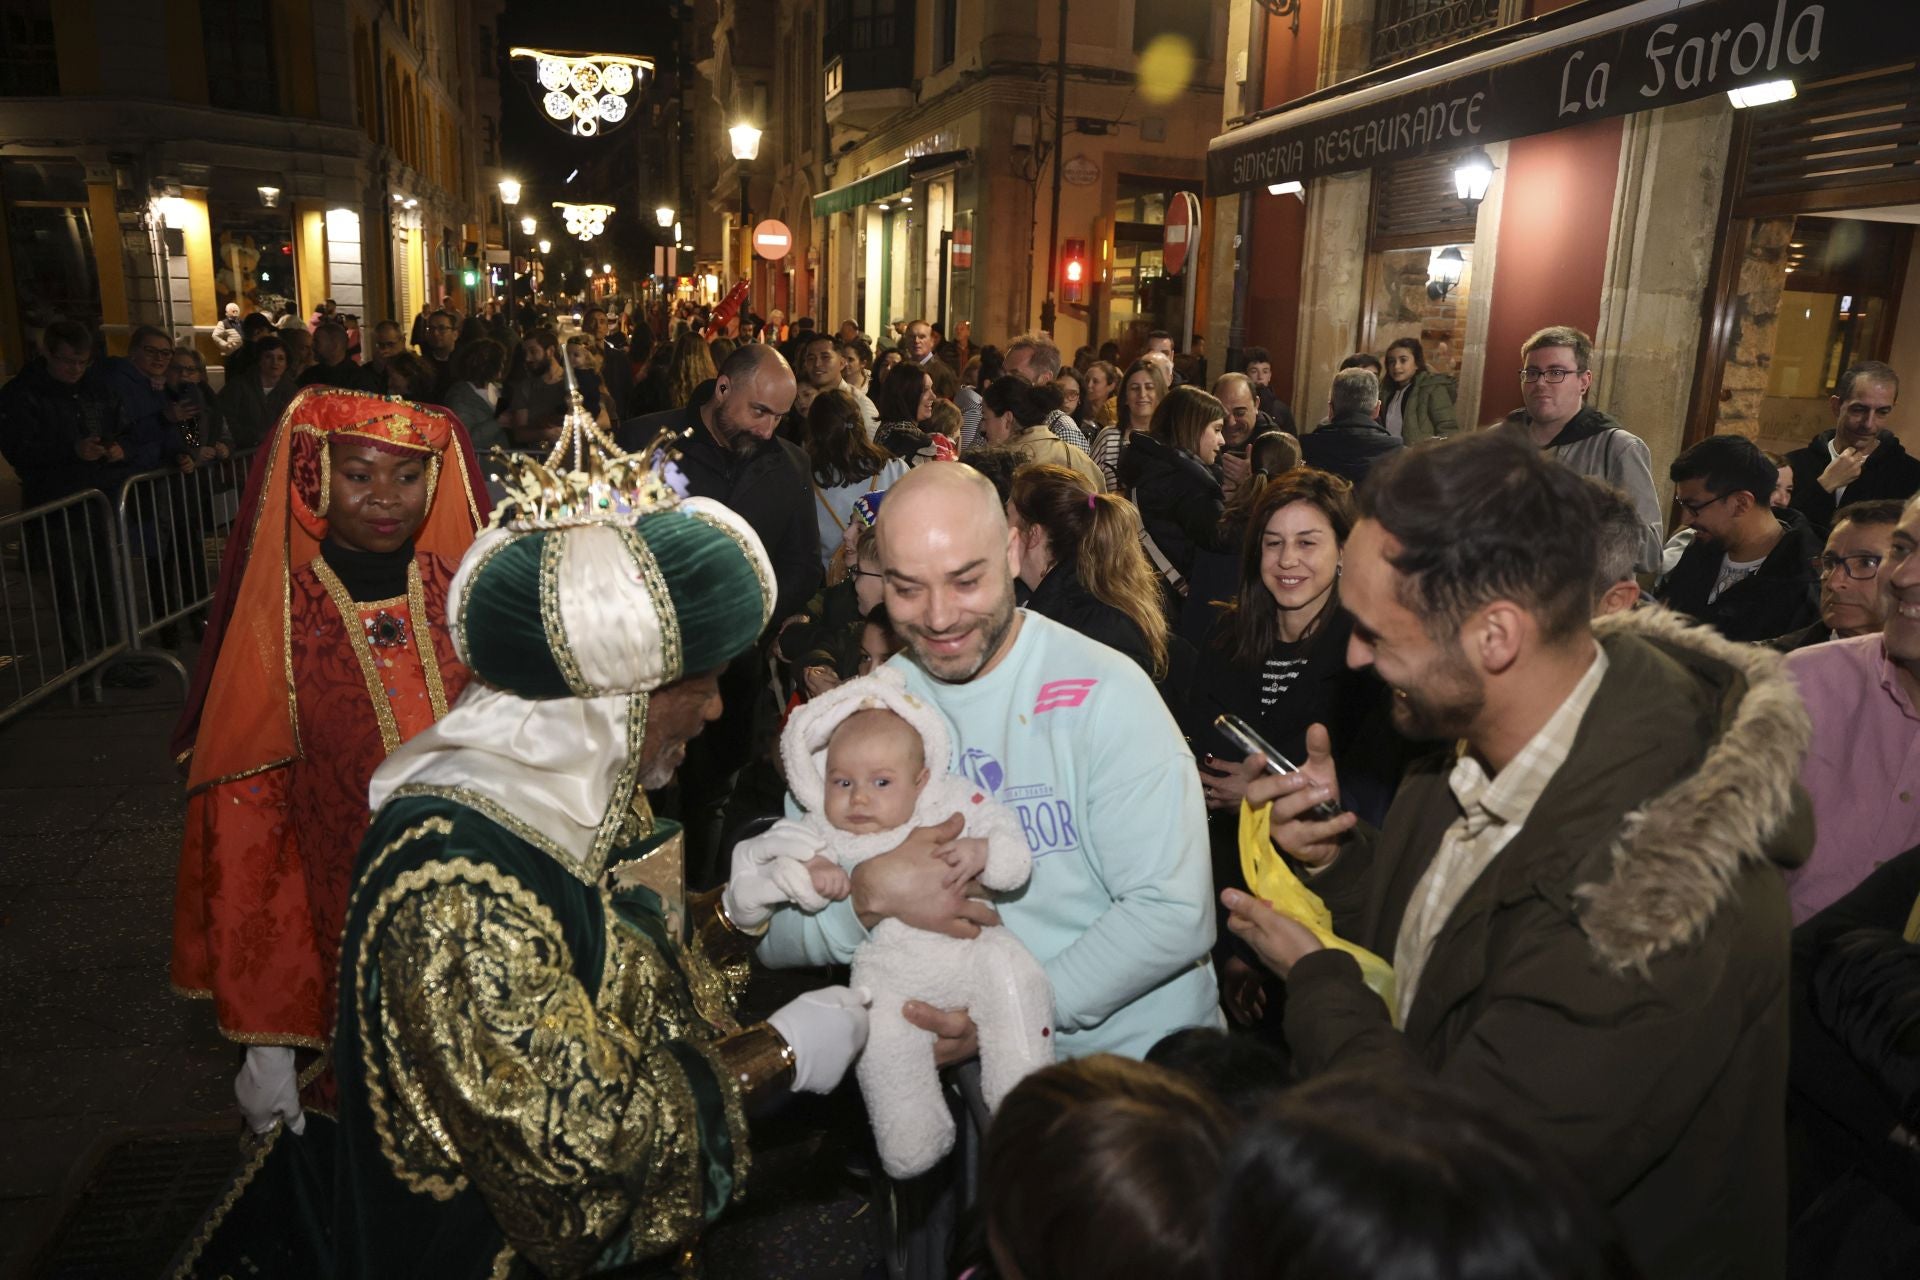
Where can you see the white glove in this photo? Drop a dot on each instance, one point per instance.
(752, 892)
(826, 1029)
(268, 1088)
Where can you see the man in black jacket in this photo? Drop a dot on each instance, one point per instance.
(1352, 439)
(729, 453)
(1859, 458)
(1749, 571)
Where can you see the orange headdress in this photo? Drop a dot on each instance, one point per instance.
(239, 717)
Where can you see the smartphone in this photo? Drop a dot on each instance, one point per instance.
(1241, 734)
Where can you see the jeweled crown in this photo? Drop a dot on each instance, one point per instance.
(586, 478)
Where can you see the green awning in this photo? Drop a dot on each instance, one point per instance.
(886, 184)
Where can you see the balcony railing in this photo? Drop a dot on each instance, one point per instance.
(1403, 28)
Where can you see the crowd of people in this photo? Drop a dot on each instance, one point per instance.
(1629, 818)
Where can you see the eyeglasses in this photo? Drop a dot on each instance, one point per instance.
(1554, 376)
(439, 328)
(152, 352)
(1695, 508)
(1860, 566)
(866, 573)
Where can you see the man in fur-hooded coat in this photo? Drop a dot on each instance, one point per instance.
(993, 976)
(1616, 980)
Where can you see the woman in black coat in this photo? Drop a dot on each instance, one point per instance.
(1166, 473)
(1277, 658)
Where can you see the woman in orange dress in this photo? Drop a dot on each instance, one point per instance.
(327, 649)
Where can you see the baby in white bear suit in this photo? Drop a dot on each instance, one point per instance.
(858, 760)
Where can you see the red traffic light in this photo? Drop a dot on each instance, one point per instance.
(1073, 271)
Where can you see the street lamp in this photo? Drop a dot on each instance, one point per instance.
(509, 197)
(546, 247)
(664, 215)
(1472, 175)
(527, 225)
(746, 145)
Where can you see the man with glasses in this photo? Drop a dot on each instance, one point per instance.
(1848, 572)
(1859, 458)
(1862, 766)
(154, 426)
(1749, 570)
(1557, 375)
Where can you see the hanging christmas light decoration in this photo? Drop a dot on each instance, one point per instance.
(583, 93)
(584, 220)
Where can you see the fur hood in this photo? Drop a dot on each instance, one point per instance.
(1675, 859)
(803, 747)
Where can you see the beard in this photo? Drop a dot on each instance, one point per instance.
(1447, 702)
(961, 667)
(736, 439)
(659, 772)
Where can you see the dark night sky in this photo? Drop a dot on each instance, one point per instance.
(531, 147)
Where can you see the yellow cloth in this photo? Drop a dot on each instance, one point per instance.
(1273, 881)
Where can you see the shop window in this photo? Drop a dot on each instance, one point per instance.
(1190, 21)
(1403, 28)
(28, 67)
(1412, 290)
(50, 240)
(238, 35)
(1841, 281)
(252, 259)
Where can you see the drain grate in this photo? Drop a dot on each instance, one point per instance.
(139, 1204)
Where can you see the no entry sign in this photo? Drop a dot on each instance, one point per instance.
(772, 240)
(1182, 230)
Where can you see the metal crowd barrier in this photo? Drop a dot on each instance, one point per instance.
(90, 581)
(65, 612)
(173, 529)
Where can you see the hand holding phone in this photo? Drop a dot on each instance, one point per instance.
(1242, 735)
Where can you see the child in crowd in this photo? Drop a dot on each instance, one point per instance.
(857, 759)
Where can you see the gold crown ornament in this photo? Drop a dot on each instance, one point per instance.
(586, 478)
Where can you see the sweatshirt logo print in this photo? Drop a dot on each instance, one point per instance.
(1062, 693)
(1046, 821)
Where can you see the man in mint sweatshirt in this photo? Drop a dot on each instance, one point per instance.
(1073, 738)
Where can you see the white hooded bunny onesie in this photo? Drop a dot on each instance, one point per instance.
(993, 976)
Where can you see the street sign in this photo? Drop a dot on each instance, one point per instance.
(1182, 231)
(772, 240)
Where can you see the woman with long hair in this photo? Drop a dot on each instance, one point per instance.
(846, 464)
(690, 365)
(1080, 556)
(1276, 656)
(1141, 392)
(1167, 471)
(1015, 412)
(1415, 403)
(904, 404)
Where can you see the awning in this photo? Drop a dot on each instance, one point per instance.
(1654, 53)
(884, 185)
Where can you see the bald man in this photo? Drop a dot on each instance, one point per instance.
(729, 452)
(1072, 737)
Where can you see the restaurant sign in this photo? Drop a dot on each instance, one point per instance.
(1677, 54)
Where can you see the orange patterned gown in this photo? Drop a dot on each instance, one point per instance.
(268, 859)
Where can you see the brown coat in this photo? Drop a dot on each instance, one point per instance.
(1616, 982)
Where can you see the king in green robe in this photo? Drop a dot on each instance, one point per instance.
(539, 1067)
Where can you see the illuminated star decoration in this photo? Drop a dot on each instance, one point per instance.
(583, 93)
(584, 220)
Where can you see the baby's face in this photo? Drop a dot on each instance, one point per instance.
(876, 769)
